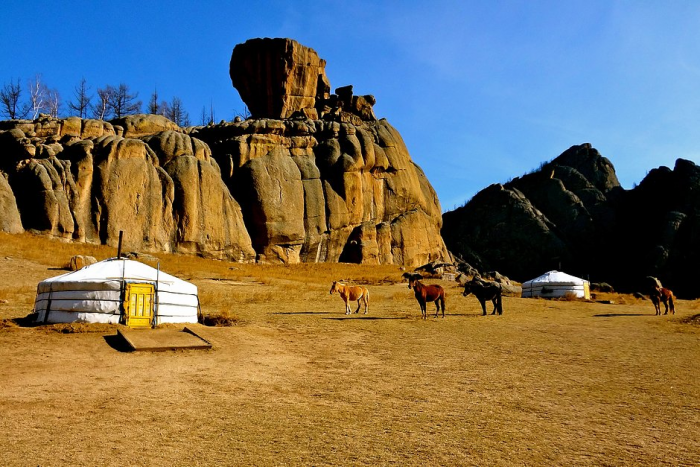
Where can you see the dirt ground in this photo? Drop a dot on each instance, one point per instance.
(297, 382)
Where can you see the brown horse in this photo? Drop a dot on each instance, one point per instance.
(350, 293)
(483, 291)
(663, 295)
(426, 293)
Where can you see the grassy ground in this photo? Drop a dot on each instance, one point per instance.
(295, 381)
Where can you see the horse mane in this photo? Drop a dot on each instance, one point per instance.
(412, 276)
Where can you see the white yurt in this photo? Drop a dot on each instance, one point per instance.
(555, 284)
(115, 291)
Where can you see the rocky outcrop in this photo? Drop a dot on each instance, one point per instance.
(329, 191)
(164, 191)
(314, 176)
(278, 77)
(10, 220)
(499, 225)
(572, 214)
(136, 126)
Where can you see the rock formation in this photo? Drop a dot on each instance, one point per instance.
(573, 214)
(328, 191)
(312, 176)
(163, 190)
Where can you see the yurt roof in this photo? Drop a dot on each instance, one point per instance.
(116, 269)
(556, 277)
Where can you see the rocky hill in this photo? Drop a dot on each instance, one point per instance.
(311, 176)
(572, 214)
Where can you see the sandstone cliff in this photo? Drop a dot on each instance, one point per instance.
(312, 176)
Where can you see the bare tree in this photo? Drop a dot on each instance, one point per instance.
(9, 101)
(122, 102)
(164, 109)
(102, 110)
(38, 96)
(53, 102)
(177, 113)
(153, 105)
(208, 118)
(82, 100)
(245, 114)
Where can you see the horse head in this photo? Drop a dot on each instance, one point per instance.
(334, 287)
(472, 285)
(412, 278)
(467, 289)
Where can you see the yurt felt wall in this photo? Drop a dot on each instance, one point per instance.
(94, 294)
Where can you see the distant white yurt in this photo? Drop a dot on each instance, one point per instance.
(555, 284)
(116, 291)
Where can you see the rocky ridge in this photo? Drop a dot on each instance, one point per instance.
(572, 214)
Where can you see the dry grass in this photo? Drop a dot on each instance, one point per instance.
(296, 382)
(220, 319)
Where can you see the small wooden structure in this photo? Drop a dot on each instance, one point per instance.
(157, 340)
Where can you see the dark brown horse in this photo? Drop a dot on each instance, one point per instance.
(483, 291)
(663, 295)
(426, 293)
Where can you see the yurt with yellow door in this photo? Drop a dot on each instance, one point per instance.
(116, 291)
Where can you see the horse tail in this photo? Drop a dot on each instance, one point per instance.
(442, 301)
(500, 299)
(670, 303)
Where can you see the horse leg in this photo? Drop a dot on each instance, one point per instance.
(493, 300)
(483, 306)
(347, 307)
(437, 307)
(423, 311)
(500, 304)
(358, 305)
(442, 302)
(366, 298)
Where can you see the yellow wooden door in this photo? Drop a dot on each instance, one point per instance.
(138, 305)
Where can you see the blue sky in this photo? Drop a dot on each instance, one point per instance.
(481, 91)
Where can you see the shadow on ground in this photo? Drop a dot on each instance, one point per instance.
(616, 315)
(117, 343)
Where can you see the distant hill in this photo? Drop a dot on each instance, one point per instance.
(572, 214)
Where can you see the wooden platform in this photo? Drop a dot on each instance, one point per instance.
(156, 340)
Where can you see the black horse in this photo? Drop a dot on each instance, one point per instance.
(484, 290)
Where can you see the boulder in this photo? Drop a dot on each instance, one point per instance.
(277, 77)
(41, 187)
(272, 195)
(136, 126)
(207, 219)
(131, 193)
(80, 261)
(10, 220)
